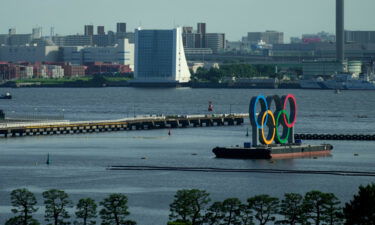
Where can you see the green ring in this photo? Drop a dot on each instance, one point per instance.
(278, 138)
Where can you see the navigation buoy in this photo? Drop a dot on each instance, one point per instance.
(210, 106)
(247, 132)
(169, 132)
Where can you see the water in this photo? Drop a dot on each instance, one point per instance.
(78, 162)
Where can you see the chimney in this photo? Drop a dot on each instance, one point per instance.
(340, 45)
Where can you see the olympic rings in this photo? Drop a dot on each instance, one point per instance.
(271, 135)
(273, 120)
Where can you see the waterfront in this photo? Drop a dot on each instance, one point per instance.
(78, 162)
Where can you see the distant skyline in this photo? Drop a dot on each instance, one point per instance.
(235, 18)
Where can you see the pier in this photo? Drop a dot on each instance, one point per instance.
(21, 129)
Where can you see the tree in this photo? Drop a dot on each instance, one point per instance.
(232, 211)
(333, 211)
(86, 210)
(115, 210)
(188, 206)
(214, 215)
(319, 206)
(264, 208)
(24, 202)
(361, 209)
(56, 202)
(291, 208)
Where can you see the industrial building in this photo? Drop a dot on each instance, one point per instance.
(160, 57)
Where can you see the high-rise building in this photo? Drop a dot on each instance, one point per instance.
(100, 30)
(89, 30)
(121, 28)
(201, 29)
(216, 42)
(160, 57)
(187, 30)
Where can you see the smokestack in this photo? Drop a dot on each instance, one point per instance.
(340, 45)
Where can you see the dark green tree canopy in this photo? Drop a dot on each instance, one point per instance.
(86, 211)
(361, 209)
(188, 206)
(115, 210)
(56, 203)
(264, 207)
(24, 202)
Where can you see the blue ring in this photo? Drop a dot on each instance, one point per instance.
(253, 105)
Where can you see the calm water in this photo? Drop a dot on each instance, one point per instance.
(79, 161)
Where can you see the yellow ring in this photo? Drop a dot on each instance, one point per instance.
(268, 142)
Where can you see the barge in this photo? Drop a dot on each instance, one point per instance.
(273, 151)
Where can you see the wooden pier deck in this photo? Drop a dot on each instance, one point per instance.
(21, 129)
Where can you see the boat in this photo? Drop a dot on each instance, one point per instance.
(6, 96)
(341, 82)
(273, 151)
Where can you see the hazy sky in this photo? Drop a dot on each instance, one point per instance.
(233, 17)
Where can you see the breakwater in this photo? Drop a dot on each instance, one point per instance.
(347, 137)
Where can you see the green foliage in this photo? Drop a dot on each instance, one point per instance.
(115, 210)
(229, 212)
(321, 207)
(188, 206)
(291, 208)
(361, 210)
(264, 207)
(178, 223)
(333, 211)
(86, 210)
(24, 202)
(19, 220)
(56, 202)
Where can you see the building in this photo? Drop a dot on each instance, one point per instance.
(122, 53)
(201, 30)
(76, 40)
(121, 28)
(216, 42)
(73, 70)
(121, 31)
(270, 37)
(89, 30)
(100, 30)
(55, 71)
(3, 39)
(36, 33)
(160, 57)
(30, 54)
(19, 39)
(361, 37)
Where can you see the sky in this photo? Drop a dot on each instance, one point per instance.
(233, 17)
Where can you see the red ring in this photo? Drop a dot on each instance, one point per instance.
(292, 111)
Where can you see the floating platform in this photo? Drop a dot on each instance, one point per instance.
(273, 152)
